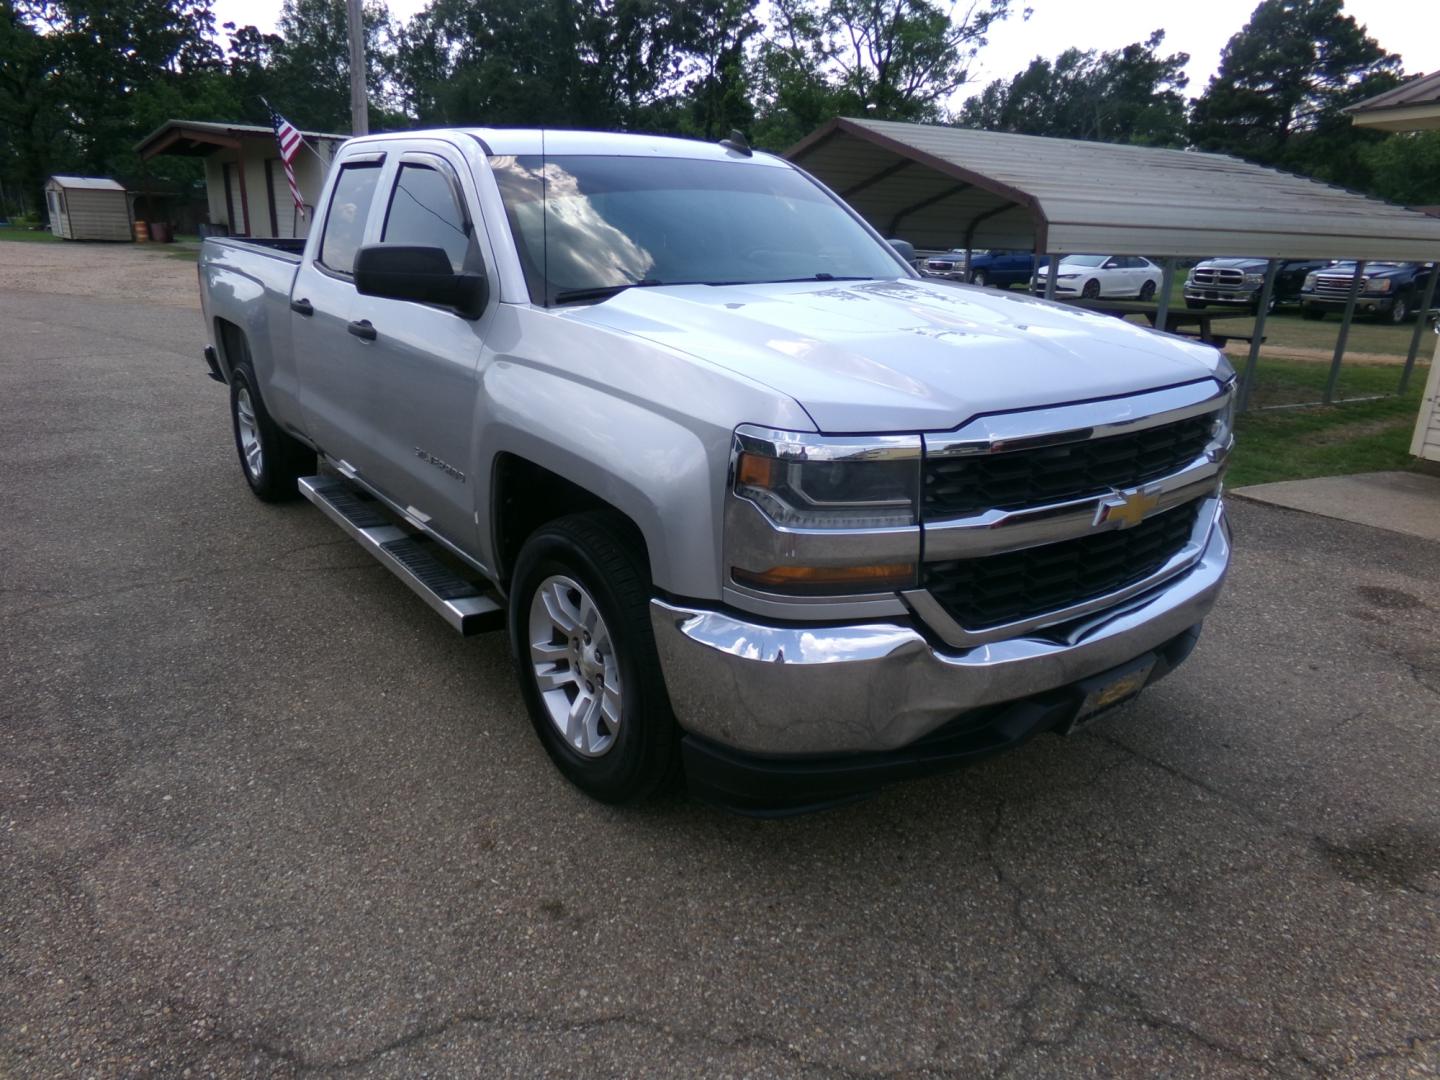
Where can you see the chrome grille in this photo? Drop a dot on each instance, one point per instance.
(1212, 276)
(1009, 480)
(1337, 287)
(1016, 585)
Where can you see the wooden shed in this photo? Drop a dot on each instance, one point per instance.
(87, 208)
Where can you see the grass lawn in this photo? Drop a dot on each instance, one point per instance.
(27, 236)
(1291, 444)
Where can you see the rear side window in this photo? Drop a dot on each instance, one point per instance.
(423, 212)
(345, 222)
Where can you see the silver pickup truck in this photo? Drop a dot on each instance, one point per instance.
(753, 501)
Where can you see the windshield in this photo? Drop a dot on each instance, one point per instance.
(586, 223)
(1082, 260)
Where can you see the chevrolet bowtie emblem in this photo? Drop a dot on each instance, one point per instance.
(1127, 508)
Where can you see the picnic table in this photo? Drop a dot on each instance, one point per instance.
(1191, 322)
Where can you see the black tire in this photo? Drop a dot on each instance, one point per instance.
(283, 459)
(1147, 290)
(601, 553)
(979, 278)
(1399, 311)
(1310, 311)
(1091, 291)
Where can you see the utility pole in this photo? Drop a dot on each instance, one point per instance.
(359, 106)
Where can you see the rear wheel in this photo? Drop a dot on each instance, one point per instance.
(271, 460)
(585, 656)
(1147, 290)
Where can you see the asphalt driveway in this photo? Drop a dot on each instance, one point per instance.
(261, 813)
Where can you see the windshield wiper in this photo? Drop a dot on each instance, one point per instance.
(821, 276)
(601, 292)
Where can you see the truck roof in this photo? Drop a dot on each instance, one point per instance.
(529, 141)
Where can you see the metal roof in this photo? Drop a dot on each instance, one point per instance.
(1412, 106)
(201, 137)
(88, 183)
(956, 187)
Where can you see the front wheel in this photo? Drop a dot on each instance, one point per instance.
(1399, 310)
(979, 278)
(1091, 290)
(585, 656)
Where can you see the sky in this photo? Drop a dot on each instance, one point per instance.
(1199, 28)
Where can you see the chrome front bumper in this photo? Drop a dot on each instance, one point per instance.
(876, 686)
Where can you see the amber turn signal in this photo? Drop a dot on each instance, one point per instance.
(827, 580)
(752, 470)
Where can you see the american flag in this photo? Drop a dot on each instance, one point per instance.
(290, 142)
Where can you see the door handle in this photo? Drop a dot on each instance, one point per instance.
(362, 329)
(302, 307)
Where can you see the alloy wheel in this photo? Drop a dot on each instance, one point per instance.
(576, 670)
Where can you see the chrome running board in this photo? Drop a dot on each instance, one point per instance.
(461, 602)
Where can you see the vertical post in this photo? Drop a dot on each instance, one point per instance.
(1355, 280)
(1167, 282)
(967, 259)
(359, 106)
(1272, 268)
(244, 198)
(1425, 301)
(1052, 271)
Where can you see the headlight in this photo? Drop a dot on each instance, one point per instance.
(1254, 279)
(811, 482)
(1068, 277)
(1309, 282)
(809, 515)
(1378, 285)
(1225, 418)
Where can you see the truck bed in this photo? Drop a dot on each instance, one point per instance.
(289, 248)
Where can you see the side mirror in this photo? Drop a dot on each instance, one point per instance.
(421, 274)
(1111, 264)
(904, 249)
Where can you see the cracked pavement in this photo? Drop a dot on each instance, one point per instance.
(262, 814)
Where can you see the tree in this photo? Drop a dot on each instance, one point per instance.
(1405, 168)
(889, 59)
(306, 67)
(1131, 95)
(1282, 83)
(31, 128)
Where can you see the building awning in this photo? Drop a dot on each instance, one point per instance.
(200, 138)
(1414, 105)
(945, 187)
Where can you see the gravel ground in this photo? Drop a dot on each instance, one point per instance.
(263, 814)
(135, 273)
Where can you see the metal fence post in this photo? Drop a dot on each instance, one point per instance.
(1425, 302)
(1167, 282)
(1257, 335)
(1334, 378)
(1052, 265)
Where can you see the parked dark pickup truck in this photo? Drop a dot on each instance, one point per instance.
(1389, 291)
(999, 268)
(1239, 282)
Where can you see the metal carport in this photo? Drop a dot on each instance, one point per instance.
(952, 187)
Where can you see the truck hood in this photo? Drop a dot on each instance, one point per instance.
(904, 355)
(1252, 265)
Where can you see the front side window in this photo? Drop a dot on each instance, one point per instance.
(593, 222)
(345, 221)
(423, 212)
